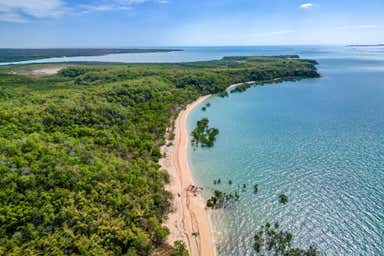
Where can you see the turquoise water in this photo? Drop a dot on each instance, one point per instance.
(319, 141)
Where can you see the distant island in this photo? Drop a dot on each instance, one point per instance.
(11, 55)
(366, 45)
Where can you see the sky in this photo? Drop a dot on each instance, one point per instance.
(145, 23)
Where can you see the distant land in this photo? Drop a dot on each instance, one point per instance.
(10, 55)
(366, 45)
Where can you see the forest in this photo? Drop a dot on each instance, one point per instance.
(79, 150)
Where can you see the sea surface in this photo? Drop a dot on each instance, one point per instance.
(319, 141)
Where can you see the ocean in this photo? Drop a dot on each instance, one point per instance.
(319, 141)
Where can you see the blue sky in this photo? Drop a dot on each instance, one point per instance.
(124, 23)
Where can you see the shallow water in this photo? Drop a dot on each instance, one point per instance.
(319, 141)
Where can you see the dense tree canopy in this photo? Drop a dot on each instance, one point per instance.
(79, 150)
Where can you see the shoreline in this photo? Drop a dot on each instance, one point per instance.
(232, 86)
(189, 221)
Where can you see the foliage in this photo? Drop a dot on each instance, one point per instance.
(203, 135)
(283, 198)
(270, 240)
(255, 188)
(216, 182)
(217, 200)
(79, 151)
(220, 199)
(179, 250)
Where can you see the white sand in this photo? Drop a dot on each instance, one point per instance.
(189, 221)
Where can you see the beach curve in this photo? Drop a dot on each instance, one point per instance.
(189, 221)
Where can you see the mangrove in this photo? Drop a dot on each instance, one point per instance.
(271, 240)
(203, 135)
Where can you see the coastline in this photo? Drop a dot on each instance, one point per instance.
(232, 86)
(189, 221)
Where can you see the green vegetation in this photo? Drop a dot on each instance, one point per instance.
(223, 94)
(216, 182)
(220, 199)
(79, 150)
(217, 200)
(204, 108)
(179, 250)
(203, 135)
(10, 55)
(255, 188)
(270, 240)
(283, 198)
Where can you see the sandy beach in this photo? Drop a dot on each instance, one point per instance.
(44, 70)
(189, 220)
(236, 85)
(50, 70)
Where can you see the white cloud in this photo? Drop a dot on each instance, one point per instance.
(131, 1)
(102, 8)
(19, 10)
(306, 6)
(24, 10)
(274, 33)
(11, 17)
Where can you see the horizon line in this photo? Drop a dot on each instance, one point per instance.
(175, 46)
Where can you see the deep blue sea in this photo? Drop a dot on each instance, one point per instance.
(319, 141)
